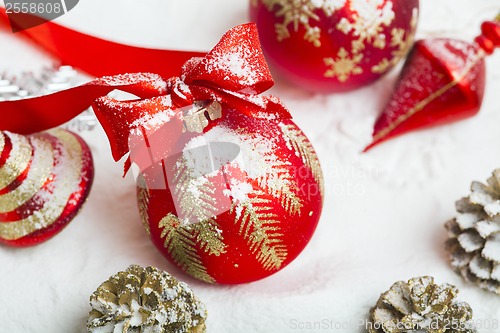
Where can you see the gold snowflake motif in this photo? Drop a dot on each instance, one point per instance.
(343, 66)
(368, 22)
(299, 13)
(401, 41)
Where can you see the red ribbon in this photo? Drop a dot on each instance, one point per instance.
(234, 73)
(96, 56)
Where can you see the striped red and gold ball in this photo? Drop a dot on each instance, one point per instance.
(44, 180)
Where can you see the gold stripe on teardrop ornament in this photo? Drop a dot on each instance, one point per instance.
(68, 175)
(18, 160)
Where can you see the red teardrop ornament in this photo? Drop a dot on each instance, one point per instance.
(442, 81)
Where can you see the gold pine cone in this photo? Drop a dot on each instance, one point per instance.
(474, 235)
(420, 305)
(145, 300)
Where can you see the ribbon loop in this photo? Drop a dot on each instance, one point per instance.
(236, 64)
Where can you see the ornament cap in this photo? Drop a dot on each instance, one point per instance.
(490, 35)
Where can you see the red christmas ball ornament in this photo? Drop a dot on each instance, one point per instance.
(229, 188)
(244, 218)
(442, 81)
(334, 45)
(44, 180)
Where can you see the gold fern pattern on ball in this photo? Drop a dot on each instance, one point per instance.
(195, 194)
(143, 203)
(283, 187)
(180, 242)
(303, 148)
(259, 225)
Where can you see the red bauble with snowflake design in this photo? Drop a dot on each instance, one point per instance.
(334, 45)
(239, 221)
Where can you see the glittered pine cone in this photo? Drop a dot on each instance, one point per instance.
(420, 305)
(474, 235)
(145, 300)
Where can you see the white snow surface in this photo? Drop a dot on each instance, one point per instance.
(384, 212)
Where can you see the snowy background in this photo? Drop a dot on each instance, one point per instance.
(384, 211)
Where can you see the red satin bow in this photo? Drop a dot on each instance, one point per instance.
(234, 73)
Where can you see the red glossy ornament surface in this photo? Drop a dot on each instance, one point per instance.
(330, 46)
(267, 202)
(442, 81)
(45, 179)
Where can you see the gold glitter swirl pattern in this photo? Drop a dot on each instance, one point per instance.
(2, 141)
(18, 160)
(39, 172)
(67, 171)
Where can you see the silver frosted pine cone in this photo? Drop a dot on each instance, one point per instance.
(145, 300)
(420, 305)
(474, 235)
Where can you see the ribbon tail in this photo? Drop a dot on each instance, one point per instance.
(41, 113)
(145, 128)
(37, 114)
(96, 56)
